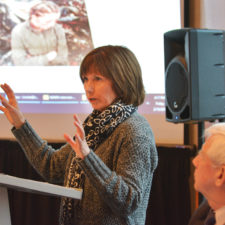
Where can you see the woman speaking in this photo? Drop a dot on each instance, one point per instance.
(112, 155)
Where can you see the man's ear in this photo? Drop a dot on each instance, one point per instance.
(220, 176)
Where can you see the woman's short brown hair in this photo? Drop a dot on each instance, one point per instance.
(121, 66)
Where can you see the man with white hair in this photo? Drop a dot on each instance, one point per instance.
(209, 177)
(40, 41)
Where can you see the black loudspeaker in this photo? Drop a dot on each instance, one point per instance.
(194, 75)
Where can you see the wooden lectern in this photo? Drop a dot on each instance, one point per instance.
(26, 185)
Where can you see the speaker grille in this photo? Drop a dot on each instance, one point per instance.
(176, 84)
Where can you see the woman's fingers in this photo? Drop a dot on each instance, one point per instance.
(80, 130)
(69, 139)
(76, 145)
(10, 94)
(3, 109)
(10, 107)
(79, 127)
(5, 102)
(76, 118)
(2, 99)
(7, 89)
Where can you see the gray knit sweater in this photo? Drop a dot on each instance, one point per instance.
(118, 175)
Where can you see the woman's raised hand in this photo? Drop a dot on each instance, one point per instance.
(10, 107)
(79, 145)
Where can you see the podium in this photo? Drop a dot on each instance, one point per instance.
(26, 185)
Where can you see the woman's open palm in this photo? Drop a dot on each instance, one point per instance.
(79, 145)
(10, 107)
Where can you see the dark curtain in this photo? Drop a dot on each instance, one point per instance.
(169, 202)
(26, 208)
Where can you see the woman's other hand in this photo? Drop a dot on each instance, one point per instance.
(79, 145)
(10, 107)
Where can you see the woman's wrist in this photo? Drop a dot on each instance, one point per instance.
(19, 124)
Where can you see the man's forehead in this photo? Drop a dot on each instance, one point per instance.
(215, 140)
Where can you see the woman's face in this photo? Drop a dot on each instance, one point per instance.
(99, 90)
(43, 22)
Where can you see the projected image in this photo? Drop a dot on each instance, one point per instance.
(43, 33)
(59, 33)
(55, 92)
